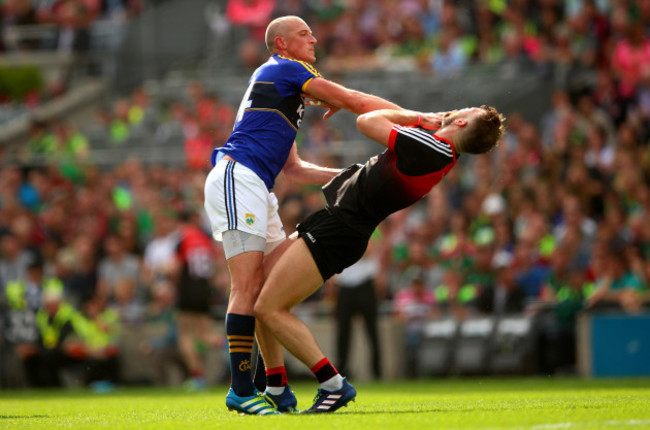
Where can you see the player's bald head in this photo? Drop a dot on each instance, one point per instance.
(280, 27)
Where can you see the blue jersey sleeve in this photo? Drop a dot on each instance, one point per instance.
(294, 77)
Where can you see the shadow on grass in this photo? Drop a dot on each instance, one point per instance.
(392, 411)
(406, 411)
(17, 417)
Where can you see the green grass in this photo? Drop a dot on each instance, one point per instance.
(538, 404)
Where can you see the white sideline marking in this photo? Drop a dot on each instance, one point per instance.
(553, 426)
(605, 423)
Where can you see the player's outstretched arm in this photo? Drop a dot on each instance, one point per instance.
(377, 125)
(313, 101)
(344, 98)
(303, 172)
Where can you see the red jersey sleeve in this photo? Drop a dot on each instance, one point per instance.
(393, 135)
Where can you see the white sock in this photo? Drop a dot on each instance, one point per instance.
(333, 384)
(275, 391)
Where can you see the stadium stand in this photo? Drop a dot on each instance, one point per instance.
(105, 128)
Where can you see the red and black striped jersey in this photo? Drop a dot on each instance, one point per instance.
(415, 161)
(195, 252)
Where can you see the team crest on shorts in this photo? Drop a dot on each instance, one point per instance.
(250, 218)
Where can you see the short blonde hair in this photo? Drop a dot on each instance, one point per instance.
(482, 132)
(276, 28)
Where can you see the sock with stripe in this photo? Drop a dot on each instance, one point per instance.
(240, 330)
(276, 380)
(260, 373)
(328, 377)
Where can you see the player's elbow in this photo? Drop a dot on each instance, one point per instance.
(364, 123)
(347, 99)
(292, 173)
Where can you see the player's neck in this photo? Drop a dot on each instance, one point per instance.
(448, 134)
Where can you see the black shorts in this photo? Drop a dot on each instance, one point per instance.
(194, 295)
(332, 243)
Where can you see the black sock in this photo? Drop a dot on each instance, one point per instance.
(260, 373)
(240, 330)
(277, 377)
(324, 370)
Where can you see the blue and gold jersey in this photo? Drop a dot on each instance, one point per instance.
(269, 117)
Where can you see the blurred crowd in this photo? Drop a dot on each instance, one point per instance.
(445, 37)
(552, 221)
(72, 20)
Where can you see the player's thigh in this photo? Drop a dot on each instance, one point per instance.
(294, 277)
(246, 267)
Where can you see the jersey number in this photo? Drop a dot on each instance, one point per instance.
(245, 103)
(200, 264)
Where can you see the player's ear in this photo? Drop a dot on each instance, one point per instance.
(279, 42)
(460, 122)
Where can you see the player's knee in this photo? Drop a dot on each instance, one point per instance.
(250, 286)
(261, 311)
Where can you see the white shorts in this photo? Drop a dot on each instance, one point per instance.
(237, 199)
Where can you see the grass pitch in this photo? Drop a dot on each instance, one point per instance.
(538, 404)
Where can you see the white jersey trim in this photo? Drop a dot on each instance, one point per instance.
(427, 139)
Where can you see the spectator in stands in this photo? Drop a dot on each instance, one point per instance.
(251, 14)
(82, 285)
(448, 295)
(515, 59)
(449, 59)
(128, 233)
(631, 58)
(413, 306)
(600, 152)
(530, 271)
(125, 301)
(118, 269)
(159, 253)
(357, 293)
(291, 7)
(142, 113)
(590, 116)
(607, 96)
(479, 273)
(100, 335)
(118, 125)
(163, 349)
(618, 287)
(23, 298)
(199, 147)
(573, 216)
(14, 259)
(73, 19)
(565, 293)
(59, 326)
(505, 296)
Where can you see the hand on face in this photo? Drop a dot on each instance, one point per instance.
(431, 121)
